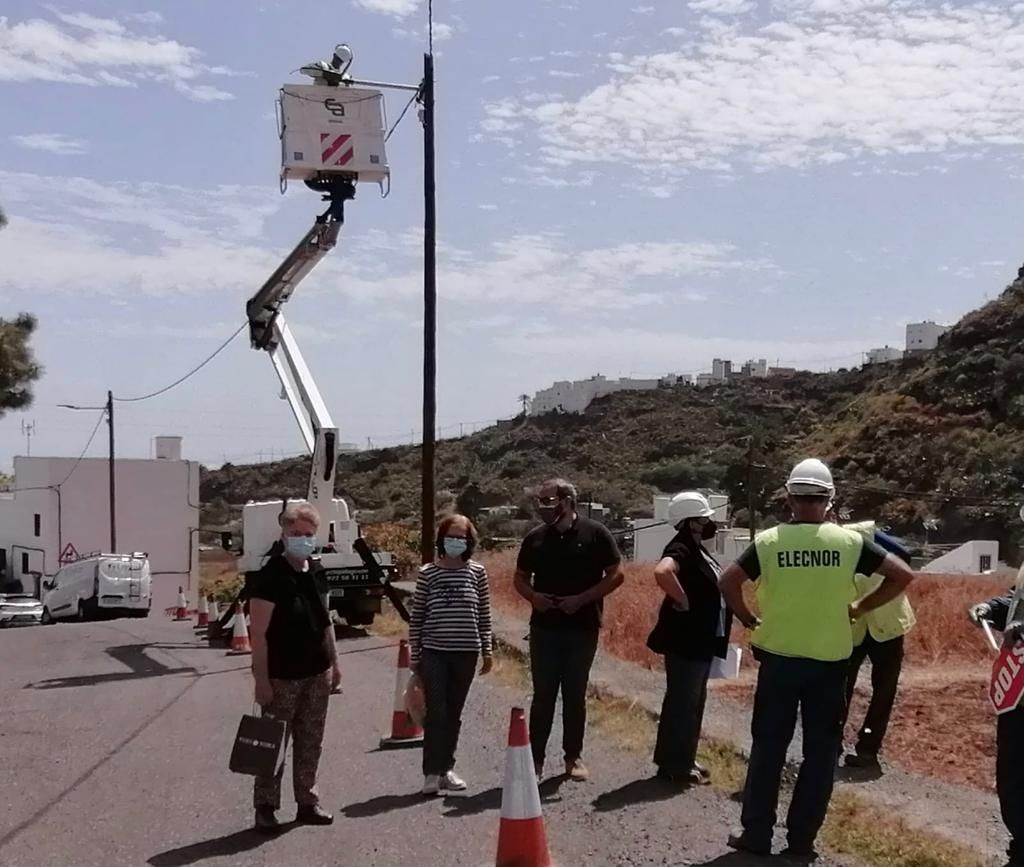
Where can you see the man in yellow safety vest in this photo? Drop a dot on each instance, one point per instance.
(808, 600)
(878, 636)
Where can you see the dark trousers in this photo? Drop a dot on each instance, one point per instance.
(1010, 779)
(784, 685)
(886, 662)
(302, 706)
(682, 713)
(560, 659)
(447, 676)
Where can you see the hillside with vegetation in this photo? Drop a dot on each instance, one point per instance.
(938, 439)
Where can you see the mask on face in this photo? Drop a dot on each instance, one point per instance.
(299, 547)
(454, 546)
(709, 530)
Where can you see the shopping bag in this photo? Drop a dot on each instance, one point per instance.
(259, 745)
(728, 668)
(415, 700)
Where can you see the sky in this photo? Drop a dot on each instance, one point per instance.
(622, 189)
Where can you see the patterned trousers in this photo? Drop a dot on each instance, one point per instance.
(302, 706)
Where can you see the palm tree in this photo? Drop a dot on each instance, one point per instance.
(524, 399)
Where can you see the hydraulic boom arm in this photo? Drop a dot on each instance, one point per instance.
(269, 331)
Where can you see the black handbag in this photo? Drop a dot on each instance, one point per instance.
(259, 745)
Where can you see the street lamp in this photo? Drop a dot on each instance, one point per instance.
(108, 408)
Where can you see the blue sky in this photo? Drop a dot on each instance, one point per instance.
(621, 190)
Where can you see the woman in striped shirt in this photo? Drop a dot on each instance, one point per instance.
(450, 628)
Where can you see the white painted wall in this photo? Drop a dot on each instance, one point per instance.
(924, 336)
(576, 396)
(971, 558)
(157, 512)
(884, 354)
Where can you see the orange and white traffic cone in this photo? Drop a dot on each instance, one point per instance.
(203, 618)
(181, 612)
(404, 732)
(522, 841)
(240, 636)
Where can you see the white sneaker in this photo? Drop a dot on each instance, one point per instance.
(453, 782)
(431, 784)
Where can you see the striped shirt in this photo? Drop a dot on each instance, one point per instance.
(451, 610)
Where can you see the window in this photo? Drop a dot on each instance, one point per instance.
(37, 522)
(985, 563)
(24, 562)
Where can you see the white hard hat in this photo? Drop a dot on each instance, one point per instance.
(811, 478)
(689, 504)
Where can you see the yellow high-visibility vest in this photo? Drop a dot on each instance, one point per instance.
(805, 590)
(889, 621)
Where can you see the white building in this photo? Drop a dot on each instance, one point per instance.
(971, 558)
(576, 396)
(705, 379)
(755, 369)
(60, 507)
(721, 370)
(651, 535)
(884, 355)
(923, 336)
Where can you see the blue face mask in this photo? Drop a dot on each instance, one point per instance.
(454, 546)
(299, 547)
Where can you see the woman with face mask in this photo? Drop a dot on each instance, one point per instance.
(693, 627)
(450, 628)
(294, 662)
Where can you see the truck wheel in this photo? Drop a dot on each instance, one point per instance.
(81, 611)
(47, 618)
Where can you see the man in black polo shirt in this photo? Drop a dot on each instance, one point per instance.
(566, 567)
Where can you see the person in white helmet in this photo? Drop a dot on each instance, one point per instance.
(693, 627)
(807, 596)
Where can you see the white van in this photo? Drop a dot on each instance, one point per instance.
(101, 585)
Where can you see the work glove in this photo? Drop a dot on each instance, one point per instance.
(979, 612)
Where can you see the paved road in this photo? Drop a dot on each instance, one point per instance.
(114, 740)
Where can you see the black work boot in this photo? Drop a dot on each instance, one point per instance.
(742, 843)
(266, 820)
(313, 814)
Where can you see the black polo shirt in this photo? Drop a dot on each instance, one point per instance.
(295, 636)
(565, 564)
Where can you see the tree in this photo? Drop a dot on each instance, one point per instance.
(3, 218)
(18, 367)
(524, 399)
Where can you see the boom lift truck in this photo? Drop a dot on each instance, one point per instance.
(332, 138)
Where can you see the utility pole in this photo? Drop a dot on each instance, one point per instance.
(113, 500)
(751, 498)
(27, 430)
(429, 313)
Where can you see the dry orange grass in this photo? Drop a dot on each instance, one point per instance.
(943, 634)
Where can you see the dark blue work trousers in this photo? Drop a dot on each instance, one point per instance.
(784, 686)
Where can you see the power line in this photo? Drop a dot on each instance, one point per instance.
(191, 373)
(74, 467)
(394, 126)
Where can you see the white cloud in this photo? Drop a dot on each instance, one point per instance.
(642, 10)
(824, 82)
(192, 242)
(722, 7)
(147, 17)
(396, 8)
(54, 143)
(442, 32)
(87, 50)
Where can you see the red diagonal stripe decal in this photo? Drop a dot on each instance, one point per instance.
(333, 147)
(345, 158)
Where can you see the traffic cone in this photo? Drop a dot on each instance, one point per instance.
(240, 636)
(204, 612)
(404, 732)
(214, 612)
(522, 841)
(182, 610)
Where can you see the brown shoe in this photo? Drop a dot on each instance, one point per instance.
(577, 771)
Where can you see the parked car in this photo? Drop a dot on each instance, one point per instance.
(104, 585)
(20, 609)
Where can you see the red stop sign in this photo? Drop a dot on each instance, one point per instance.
(1007, 685)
